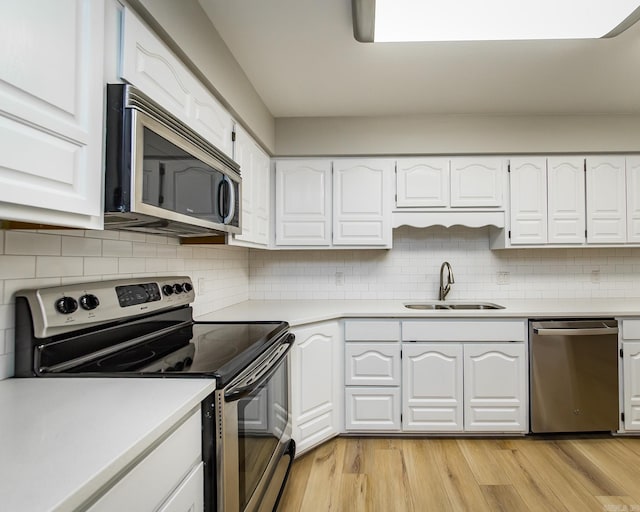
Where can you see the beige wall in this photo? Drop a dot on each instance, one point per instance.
(186, 23)
(457, 134)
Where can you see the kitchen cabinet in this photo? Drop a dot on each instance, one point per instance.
(256, 190)
(631, 374)
(316, 384)
(464, 375)
(158, 482)
(422, 182)
(303, 202)
(51, 112)
(477, 182)
(528, 193)
(362, 202)
(566, 196)
(606, 199)
(432, 380)
(151, 66)
(633, 199)
(341, 203)
(372, 375)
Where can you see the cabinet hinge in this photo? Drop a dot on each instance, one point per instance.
(509, 234)
(509, 167)
(622, 416)
(233, 136)
(400, 354)
(585, 233)
(400, 417)
(620, 352)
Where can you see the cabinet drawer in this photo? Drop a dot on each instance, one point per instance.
(464, 330)
(372, 364)
(154, 479)
(190, 495)
(631, 329)
(372, 409)
(371, 330)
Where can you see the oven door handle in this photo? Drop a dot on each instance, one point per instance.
(262, 373)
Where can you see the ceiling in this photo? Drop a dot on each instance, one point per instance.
(302, 59)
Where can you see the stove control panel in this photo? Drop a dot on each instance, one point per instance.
(63, 309)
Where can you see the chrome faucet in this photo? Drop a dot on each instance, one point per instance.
(445, 288)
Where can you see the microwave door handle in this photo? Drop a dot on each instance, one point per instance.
(226, 193)
(240, 391)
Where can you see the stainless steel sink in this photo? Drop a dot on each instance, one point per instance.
(453, 305)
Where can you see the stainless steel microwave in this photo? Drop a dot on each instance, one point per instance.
(160, 176)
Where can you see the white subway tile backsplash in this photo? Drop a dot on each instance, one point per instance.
(131, 265)
(58, 266)
(144, 250)
(12, 267)
(29, 243)
(117, 248)
(100, 266)
(80, 246)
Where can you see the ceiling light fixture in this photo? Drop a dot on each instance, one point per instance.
(475, 20)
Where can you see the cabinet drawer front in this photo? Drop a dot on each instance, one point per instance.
(372, 409)
(631, 329)
(371, 330)
(464, 330)
(153, 480)
(375, 364)
(190, 495)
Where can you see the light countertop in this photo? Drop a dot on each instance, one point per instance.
(63, 440)
(300, 312)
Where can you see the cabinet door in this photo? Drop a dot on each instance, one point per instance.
(303, 202)
(606, 200)
(372, 364)
(316, 384)
(362, 202)
(254, 166)
(633, 199)
(51, 112)
(631, 370)
(566, 200)
(372, 408)
(495, 387)
(148, 64)
(189, 496)
(422, 182)
(477, 182)
(432, 387)
(528, 204)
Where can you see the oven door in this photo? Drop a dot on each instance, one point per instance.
(254, 433)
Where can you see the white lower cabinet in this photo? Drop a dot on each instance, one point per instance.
(495, 387)
(316, 384)
(372, 409)
(432, 379)
(169, 479)
(631, 373)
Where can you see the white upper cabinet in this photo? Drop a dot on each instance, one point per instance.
(256, 191)
(148, 64)
(566, 189)
(633, 199)
(606, 199)
(422, 182)
(303, 202)
(528, 199)
(477, 182)
(51, 112)
(362, 202)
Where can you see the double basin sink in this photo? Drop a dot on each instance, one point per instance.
(453, 305)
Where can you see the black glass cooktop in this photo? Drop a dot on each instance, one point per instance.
(219, 350)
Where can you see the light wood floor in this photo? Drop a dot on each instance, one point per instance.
(435, 474)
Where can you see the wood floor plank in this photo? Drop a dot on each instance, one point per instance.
(504, 498)
(457, 475)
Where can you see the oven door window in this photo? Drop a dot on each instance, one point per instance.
(179, 182)
(262, 421)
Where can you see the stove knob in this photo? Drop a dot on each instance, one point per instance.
(89, 302)
(177, 288)
(167, 289)
(187, 287)
(66, 305)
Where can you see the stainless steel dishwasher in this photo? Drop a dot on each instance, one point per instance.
(574, 375)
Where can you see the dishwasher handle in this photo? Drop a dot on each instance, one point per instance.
(598, 331)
